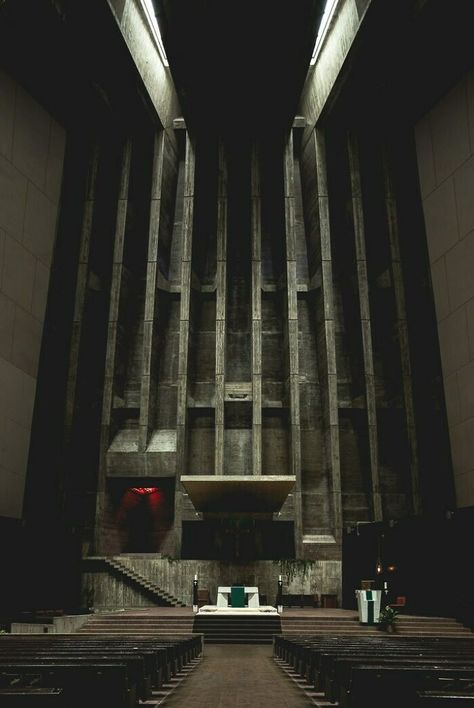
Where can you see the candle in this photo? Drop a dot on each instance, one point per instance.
(385, 585)
(195, 577)
(279, 578)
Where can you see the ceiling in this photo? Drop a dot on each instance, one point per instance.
(239, 66)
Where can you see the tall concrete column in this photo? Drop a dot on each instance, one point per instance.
(363, 288)
(184, 326)
(256, 248)
(81, 285)
(402, 327)
(292, 339)
(110, 362)
(221, 290)
(326, 331)
(150, 325)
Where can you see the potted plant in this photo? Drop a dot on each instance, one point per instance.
(387, 619)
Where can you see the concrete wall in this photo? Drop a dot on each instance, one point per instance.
(177, 578)
(445, 148)
(31, 163)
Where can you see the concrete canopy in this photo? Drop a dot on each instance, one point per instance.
(262, 493)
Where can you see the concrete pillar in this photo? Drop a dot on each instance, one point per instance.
(326, 335)
(150, 325)
(256, 239)
(81, 285)
(110, 362)
(221, 290)
(363, 288)
(292, 340)
(402, 327)
(184, 324)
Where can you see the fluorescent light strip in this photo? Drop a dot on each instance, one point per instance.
(149, 12)
(328, 14)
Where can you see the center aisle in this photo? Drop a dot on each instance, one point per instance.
(237, 675)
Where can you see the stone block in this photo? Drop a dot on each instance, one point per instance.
(7, 113)
(31, 138)
(450, 132)
(11, 493)
(13, 187)
(441, 220)
(451, 393)
(465, 377)
(18, 273)
(453, 339)
(440, 288)
(470, 104)
(461, 483)
(460, 271)
(14, 446)
(2, 255)
(40, 291)
(425, 156)
(18, 393)
(464, 186)
(26, 345)
(40, 225)
(462, 446)
(470, 327)
(7, 320)
(54, 167)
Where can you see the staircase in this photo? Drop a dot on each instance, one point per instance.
(139, 581)
(405, 625)
(143, 623)
(233, 629)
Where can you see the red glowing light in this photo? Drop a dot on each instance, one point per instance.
(144, 490)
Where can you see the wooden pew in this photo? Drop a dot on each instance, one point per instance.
(32, 698)
(439, 699)
(375, 685)
(332, 664)
(144, 662)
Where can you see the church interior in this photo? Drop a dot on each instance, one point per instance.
(236, 353)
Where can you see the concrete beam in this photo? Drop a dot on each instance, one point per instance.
(325, 78)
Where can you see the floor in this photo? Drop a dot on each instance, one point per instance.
(236, 675)
(187, 612)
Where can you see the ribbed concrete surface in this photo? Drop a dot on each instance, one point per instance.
(234, 676)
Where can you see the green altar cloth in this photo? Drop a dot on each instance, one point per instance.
(237, 596)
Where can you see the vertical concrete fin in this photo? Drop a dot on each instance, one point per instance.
(364, 304)
(256, 334)
(292, 338)
(327, 356)
(402, 326)
(150, 324)
(221, 289)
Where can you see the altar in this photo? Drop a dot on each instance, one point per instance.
(237, 600)
(237, 594)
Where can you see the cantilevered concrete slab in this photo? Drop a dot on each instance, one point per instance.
(262, 493)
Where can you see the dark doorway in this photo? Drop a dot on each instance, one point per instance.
(239, 540)
(142, 513)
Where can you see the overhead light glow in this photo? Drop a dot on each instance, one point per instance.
(149, 11)
(144, 490)
(328, 14)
